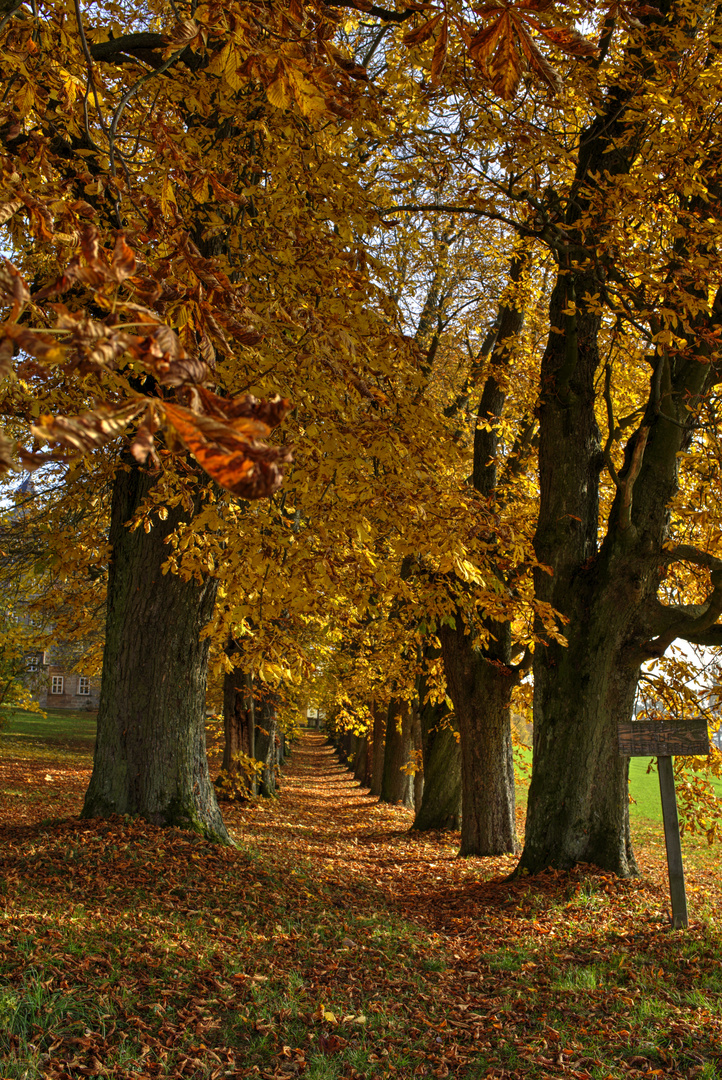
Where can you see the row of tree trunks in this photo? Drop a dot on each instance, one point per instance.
(404, 732)
(397, 787)
(250, 724)
(377, 748)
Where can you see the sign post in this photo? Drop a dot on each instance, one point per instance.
(662, 739)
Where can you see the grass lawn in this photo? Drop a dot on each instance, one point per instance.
(61, 729)
(331, 944)
(645, 805)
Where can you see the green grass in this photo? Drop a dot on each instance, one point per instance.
(643, 787)
(59, 727)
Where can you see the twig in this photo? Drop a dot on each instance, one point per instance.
(129, 94)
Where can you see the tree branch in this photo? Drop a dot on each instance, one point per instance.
(696, 623)
(687, 553)
(378, 12)
(137, 46)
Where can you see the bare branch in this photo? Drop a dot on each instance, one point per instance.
(687, 553)
(626, 484)
(138, 46)
(129, 94)
(695, 623)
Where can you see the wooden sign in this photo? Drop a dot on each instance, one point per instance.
(662, 739)
(652, 738)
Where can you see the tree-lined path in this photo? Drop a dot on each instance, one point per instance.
(330, 942)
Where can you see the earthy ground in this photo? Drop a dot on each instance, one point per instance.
(331, 943)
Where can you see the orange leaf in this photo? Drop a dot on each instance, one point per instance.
(249, 469)
(422, 33)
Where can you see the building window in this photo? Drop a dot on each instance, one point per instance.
(31, 663)
(83, 685)
(57, 684)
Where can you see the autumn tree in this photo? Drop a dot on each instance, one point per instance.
(111, 332)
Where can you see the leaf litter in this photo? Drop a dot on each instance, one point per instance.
(332, 942)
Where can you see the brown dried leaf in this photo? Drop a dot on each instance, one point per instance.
(222, 193)
(423, 32)
(350, 67)
(483, 44)
(568, 40)
(7, 352)
(540, 65)
(507, 66)
(186, 369)
(123, 262)
(238, 463)
(142, 446)
(162, 353)
(79, 434)
(439, 58)
(8, 209)
(269, 412)
(42, 346)
(90, 244)
(12, 284)
(103, 354)
(185, 31)
(207, 351)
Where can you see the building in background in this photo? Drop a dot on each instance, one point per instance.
(54, 683)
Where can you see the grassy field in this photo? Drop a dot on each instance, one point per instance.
(331, 944)
(59, 727)
(645, 806)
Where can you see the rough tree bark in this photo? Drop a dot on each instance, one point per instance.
(239, 721)
(361, 761)
(266, 735)
(150, 753)
(441, 800)
(480, 685)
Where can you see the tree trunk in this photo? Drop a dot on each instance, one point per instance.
(578, 797)
(360, 764)
(239, 723)
(441, 801)
(150, 753)
(397, 787)
(607, 593)
(266, 725)
(480, 687)
(284, 750)
(377, 749)
(416, 742)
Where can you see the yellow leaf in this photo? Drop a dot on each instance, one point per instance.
(311, 100)
(279, 94)
(25, 99)
(167, 195)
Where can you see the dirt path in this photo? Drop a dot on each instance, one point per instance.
(324, 815)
